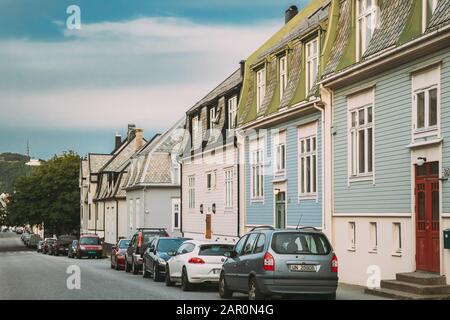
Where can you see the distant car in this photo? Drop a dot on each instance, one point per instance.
(118, 254)
(47, 242)
(61, 245)
(23, 235)
(138, 244)
(33, 241)
(270, 262)
(196, 262)
(39, 246)
(156, 256)
(19, 230)
(72, 252)
(89, 246)
(26, 238)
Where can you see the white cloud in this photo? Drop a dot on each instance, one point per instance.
(147, 71)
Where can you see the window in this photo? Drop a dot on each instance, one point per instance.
(260, 244)
(283, 75)
(176, 213)
(137, 212)
(428, 8)
(373, 234)
(130, 213)
(229, 188)
(280, 152)
(211, 180)
(240, 245)
(175, 172)
(195, 131)
(260, 87)
(366, 22)
(232, 108)
(352, 235)
(186, 248)
(426, 103)
(248, 248)
(397, 237)
(307, 160)
(312, 63)
(361, 135)
(191, 188)
(257, 171)
(212, 118)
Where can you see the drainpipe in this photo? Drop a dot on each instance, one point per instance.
(321, 107)
(238, 188)
(143, 204)
(181, 199)
(117, 220)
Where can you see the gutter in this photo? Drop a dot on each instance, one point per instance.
(117, 220)
(181, 199)
(321, 108)
(238, 166)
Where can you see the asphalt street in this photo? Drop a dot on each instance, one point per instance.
(28, 275)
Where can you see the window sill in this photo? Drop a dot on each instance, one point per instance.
(351, 249)
(374, 251)
(425, 143)
(397, 254)
(257, 200)
(307, 197)
(360, 178)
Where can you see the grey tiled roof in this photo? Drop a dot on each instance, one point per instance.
(271, 85)
(97, 161)
(84, 164)
(441, 15)
(342, 38)
(121, 159)
(293, 76)
(394, 15)
(120, 191)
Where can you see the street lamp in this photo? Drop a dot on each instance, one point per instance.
(421, 161)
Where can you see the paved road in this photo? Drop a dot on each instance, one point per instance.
(26, 274)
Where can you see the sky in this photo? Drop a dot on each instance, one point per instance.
(132, 61)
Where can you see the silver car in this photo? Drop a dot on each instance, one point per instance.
(270, 262)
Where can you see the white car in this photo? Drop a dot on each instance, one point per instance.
(196, 262)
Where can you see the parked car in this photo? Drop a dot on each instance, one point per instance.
(23, 235)
(47, 242)
(118, 254)
(89, 246)
(33, 241)
(39, 246)
(139, 242)
(19, 230)
(196, 262)
(271, 262)
(72, 252)
(156, 256)
(61, 245)
(26, 238)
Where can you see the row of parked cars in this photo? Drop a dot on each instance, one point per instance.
(264, 263)
(88, 245)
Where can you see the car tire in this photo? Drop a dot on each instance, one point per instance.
(224, 292)
(253, 292)
(78, 256)
(185, 284)
(156, 275)
(169, 282)
(112, 265)
(145, 273)
(56, 254)
(135, 268)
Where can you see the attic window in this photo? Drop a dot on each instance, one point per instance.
(283, 75)
(365, 26)
(312, 63)
(428, 8)
(260, 88)
(212, 117)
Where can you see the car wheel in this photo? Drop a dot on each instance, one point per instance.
(56, 253)
(112, 265)
(169, 283)
(156, 274)
(224, 292)
(135, 268)
(253, 291)
(185, 284)
(145, 273)
(78, 255)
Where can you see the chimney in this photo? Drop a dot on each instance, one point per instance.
(139, 142)
(130, 132)
(117, 141)
(242, 64)
(290, 13)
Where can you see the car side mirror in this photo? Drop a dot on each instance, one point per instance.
(227, 254)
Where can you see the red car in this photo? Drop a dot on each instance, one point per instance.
(89, 246)
(118, 254)
(47, 243)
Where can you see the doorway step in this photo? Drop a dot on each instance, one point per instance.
(414, 286)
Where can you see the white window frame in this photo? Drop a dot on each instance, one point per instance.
(228, 178)
(257, 170)
(307, 134)
(191, 192)
(232, 110)
(279, 140)
(425, 21)
(397, 239)
(212, 117)
(362, 14)
(195, 131)
(311, 63)
(362, 101)
(373, 237)
(176, 208)
(283, 75)
(260, 87)
(352, 235)
(212, 180)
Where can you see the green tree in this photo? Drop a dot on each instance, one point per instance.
(49, 195)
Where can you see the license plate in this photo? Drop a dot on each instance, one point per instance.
(302, 268)
(92, 252)
(216, 271)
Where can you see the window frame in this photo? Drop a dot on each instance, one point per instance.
(232, 112)
(176, 202)
(373, 237)
(211, 180)
(425, 21)
(361, 38)
(305, 155)
(283, 74)
(260, 87)
(212, 113)
(257, 154)
(228, 184)
(195, 130)
(309, 58)
(191, 192)
(279, 145)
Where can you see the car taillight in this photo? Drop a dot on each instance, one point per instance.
(196, 260)
(140, 240)
(334, 264)
(269, 262)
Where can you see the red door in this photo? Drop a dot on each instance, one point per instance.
(427, 217)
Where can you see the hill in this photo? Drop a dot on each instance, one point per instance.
(12, 166)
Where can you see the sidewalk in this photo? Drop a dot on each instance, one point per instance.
(353, 292)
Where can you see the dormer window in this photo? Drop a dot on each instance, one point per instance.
(283, 75)
(195, 131)
(312, 63)
(366, 22)
(428, 8)
(260, 88)
(232, 109)
(212, 117)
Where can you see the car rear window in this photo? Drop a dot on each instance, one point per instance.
(300, 243)
(214, 249)
(167, 245)
(90, 241)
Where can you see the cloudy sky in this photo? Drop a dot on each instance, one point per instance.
(133, 61)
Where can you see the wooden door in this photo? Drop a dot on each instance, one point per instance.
(427, 217)
(280, 210)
